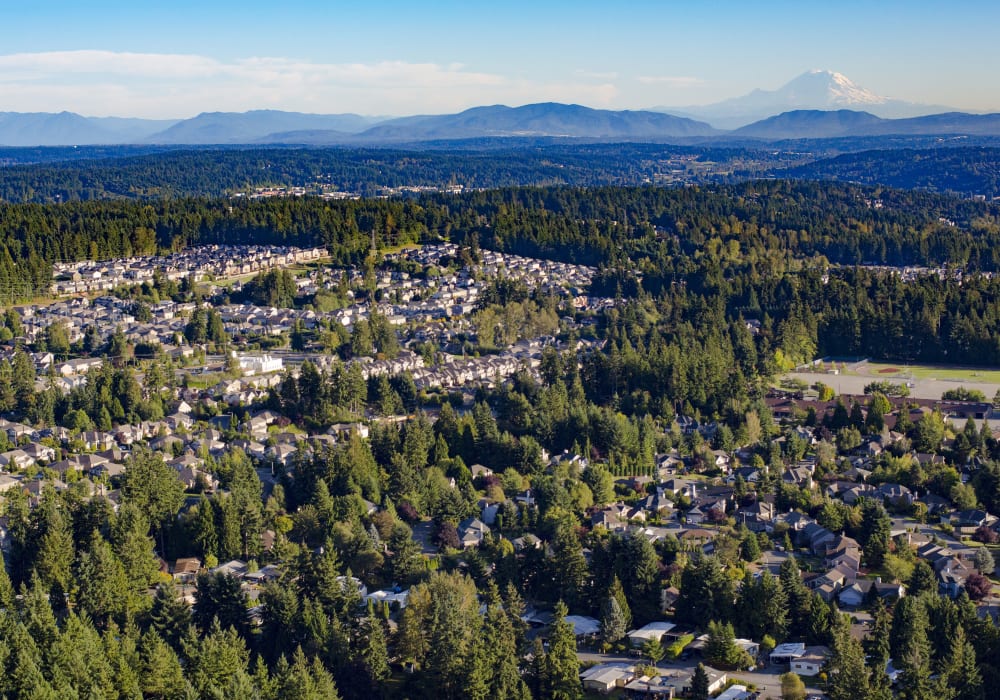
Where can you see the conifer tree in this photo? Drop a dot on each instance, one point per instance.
(504, 677)
(123, 655)
(961, 669)
(6, 587)
(204, 531)
(23, 677)
(55, 551)
(161, 676)
(847, 672)
(561, 670)
(76, 663)
(170, 615)
(280, 621)
(699, 683)
(215, 659)
(219, 597)
(613, 625)
(371, 647)
(135, 549)
(103, 585)
(922, 580)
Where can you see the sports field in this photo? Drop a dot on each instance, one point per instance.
(943, 373)
(924, 381)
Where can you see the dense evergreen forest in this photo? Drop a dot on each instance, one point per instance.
(962, 170)
(218, 172)
(964, 166)
(689, 267)
(779, 252)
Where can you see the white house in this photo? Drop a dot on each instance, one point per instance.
(734, 692)
(654, 630)
(811, 662)
(787, 652)
(584, 626)
(604, 678)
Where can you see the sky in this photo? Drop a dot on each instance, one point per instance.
(176, 59)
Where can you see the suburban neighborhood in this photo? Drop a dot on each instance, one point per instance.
(707, 498)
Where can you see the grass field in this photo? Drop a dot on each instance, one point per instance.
(880, 370)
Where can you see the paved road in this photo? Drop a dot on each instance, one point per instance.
(931, 531)
(423, 533)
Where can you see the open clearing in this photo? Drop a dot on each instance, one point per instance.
(926, 381)
(943, 373)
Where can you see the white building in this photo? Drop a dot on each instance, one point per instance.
(654, 630)
(260, 364)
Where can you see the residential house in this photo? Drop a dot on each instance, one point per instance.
(583, 626)
(40, 452)
(700, 537)
(833, 581)
(843, 550)
(786, 653)
(659, 687)
(855, 595)
(603, 678)
(8, 482)
(186, 569)
(682, 487)
(488, 511)
(758, 517)
(15, 460)
(478, 470)
(750, 475)
(798, 476)
(973, 518)
(653, 630)
(816, 537)
(895, 494)
(471, 532)
(811, 662)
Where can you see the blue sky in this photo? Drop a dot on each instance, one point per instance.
(160, 59)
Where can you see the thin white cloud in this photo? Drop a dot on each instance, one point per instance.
(679, 81)
(44, 65)
(103, 83)
(597, 75)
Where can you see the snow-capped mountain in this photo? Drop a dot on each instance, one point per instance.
(813, 90)
(820, 88)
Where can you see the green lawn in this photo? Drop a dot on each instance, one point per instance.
(880, 370)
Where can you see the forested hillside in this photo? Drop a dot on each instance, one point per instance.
(219, 172)
(965, 171)
(706, 294)
(762, 250)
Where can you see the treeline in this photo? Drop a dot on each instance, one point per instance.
(966, 171)
(705, 257)
(217, 172)
(762, 226)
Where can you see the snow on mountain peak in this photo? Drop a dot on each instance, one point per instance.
(824, 88)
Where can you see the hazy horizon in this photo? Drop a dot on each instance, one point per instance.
(111, 58)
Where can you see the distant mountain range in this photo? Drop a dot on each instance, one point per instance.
(258, 125)
(817, 124)
(813, 90)
(70, 129)
(268, 126)
(816, 105)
